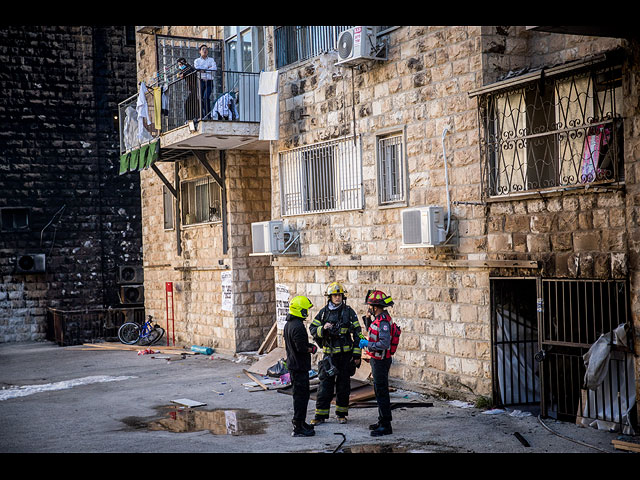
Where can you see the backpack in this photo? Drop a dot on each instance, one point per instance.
(396, 331)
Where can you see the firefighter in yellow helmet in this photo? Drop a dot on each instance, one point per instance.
(299, 352)
(337, 331)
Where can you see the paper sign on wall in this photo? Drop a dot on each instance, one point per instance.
(282, 304)
(227, 294)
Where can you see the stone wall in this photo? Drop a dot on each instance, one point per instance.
(444, 309)
(59, 148)
(196, 272)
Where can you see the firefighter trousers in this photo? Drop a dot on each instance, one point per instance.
(300, 384)
(380, 373)
(340, 383)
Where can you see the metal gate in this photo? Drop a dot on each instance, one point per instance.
(573, 316)
(514, 336)
(541, 331)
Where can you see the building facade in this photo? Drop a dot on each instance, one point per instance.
(68, 223)
(523, 137)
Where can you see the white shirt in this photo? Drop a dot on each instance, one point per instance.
(205, 64)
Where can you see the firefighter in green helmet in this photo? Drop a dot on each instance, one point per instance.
(337, 330)
(299, 352)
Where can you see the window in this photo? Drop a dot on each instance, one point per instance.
(201, 201)
(391, 170)
(244, 49)
(553, 132)
(296, 43)
(167, 198)
(321, 177)
(14, 219)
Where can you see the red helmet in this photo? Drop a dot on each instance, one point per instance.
(379, 298)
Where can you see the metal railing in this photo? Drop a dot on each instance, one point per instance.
(199, 95)
(552, 133)
(74, 327)
(296, 43)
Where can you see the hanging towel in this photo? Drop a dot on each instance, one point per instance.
(157, 107)
(143, 114)
(124, 162)
(269, 106)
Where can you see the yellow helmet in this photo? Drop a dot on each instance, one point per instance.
(336, 288)
(299, 306)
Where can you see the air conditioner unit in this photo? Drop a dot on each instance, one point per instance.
(273, 238)
(129, 274)
(356, 45)
(31, 263)
(132, 294)
(423, 227)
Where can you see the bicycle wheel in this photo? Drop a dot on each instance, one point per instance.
(129, 333)
(153, 336)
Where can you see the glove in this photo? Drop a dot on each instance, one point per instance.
(314, 349)
(364, 343)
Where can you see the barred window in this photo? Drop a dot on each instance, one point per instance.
(200, 201)
(391, 170)
(297, 43)
(553, 132)
(321, 177)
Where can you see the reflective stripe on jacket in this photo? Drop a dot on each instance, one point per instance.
(380, 337)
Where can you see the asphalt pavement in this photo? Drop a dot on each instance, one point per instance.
(94, 400)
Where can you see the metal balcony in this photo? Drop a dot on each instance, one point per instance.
(201, 110)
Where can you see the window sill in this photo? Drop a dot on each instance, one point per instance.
(575, 190)
(202, 224)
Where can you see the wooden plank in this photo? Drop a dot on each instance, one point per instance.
(269, 338)
(628, 446)
(261, 366)
(253, 377)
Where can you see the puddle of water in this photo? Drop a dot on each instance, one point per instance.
(178, 419)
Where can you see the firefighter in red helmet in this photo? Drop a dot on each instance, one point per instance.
(379, 347)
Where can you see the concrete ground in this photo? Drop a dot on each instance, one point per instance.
(88, 400)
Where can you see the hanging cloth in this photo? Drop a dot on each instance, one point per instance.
(269, 106)
(143, 114)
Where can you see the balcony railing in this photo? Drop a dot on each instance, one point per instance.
(200, 95)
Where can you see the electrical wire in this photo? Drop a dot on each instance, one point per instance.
(571, 439)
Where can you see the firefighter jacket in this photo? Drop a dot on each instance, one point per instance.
(296, 341)
(345, 332)
(380, 337)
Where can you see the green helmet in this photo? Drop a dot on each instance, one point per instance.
(299, 306)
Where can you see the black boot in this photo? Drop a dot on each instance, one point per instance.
(375, 426)
(384, 428)
(301, 429)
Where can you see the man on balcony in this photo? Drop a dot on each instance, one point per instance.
(206, 65)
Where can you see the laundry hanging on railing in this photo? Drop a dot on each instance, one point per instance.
(269, 106)
(144, 119)
(140, 158)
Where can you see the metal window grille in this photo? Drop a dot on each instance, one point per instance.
(321, 177)
(201, 201)
(553, 132)
(296, 43)
(391, 170)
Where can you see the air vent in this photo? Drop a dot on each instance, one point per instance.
(31, 263)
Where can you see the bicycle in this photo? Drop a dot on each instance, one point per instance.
(131, 333)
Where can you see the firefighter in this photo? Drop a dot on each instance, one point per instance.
(337, 331)
(299, 352)
(379, 344)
